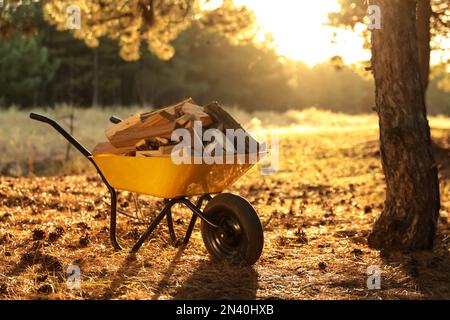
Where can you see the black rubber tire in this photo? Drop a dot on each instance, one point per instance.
(241, 240)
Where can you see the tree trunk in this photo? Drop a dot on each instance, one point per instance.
(95, 100)
(408, 221)
(424, 13)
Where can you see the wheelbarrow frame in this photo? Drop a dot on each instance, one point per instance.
(166, 212)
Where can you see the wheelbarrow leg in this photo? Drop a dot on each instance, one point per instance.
(166, 211)
(113, 221)
(190, 229)
(151, 227)
(173, 236)
(191, 226)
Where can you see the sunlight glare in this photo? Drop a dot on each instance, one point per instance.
(299, 31)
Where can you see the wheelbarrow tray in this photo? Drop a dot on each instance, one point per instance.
(161, 177)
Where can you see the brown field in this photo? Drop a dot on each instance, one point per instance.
(317, 212)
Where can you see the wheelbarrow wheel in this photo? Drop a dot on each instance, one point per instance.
(240, 237)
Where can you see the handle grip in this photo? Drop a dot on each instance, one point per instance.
(115, 119)
(39, 117)
(63, 132)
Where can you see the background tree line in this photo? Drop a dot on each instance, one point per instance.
(51, 67)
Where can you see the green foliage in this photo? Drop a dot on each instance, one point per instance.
(341, 89)
(25, 69)
(438, 95)
(246, 75)
(155, 22)
(52, 68)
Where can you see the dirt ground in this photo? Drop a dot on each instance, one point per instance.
(317, 212)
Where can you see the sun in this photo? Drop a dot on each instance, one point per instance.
(299, 30)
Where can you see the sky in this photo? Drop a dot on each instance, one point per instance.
(299, 30)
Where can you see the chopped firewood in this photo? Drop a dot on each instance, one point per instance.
(184, 119)
(153, 143)
(131, 135)
(180, 104)
(132, 121)
(189, 124)
(220, 127)
(162, 141)
(165, 114)
(165, 150)
(178, 112)
(142, 145)
(192, 108)
(196, 143)
(149, 133)
(155, 119)
(198, 113)
(221, 116)
(108, 148)
(224, 120)
(145, 116)
(130, 154)
(205, 119)
(149, 153)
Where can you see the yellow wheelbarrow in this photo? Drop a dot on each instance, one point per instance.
(230, 227)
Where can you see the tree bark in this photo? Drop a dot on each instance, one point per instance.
(409, 218)
(424, 12)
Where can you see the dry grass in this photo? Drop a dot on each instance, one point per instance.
(22, 139)
(317, 212)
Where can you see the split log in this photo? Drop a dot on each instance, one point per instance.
(166, 150)
(132, 135)
(224, 121)
(184, 119)
(108, 148)
(162, 141)
(148, 153)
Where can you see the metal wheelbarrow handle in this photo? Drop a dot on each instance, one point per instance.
(115, 119)
(63, 132)
(88, 155)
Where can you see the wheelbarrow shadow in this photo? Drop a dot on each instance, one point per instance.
(128, 268)
(219, 281)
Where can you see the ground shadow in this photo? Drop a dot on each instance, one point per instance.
(129, 267)
(429, 271)
(164, 282)
(219, 281)
(47, 263)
